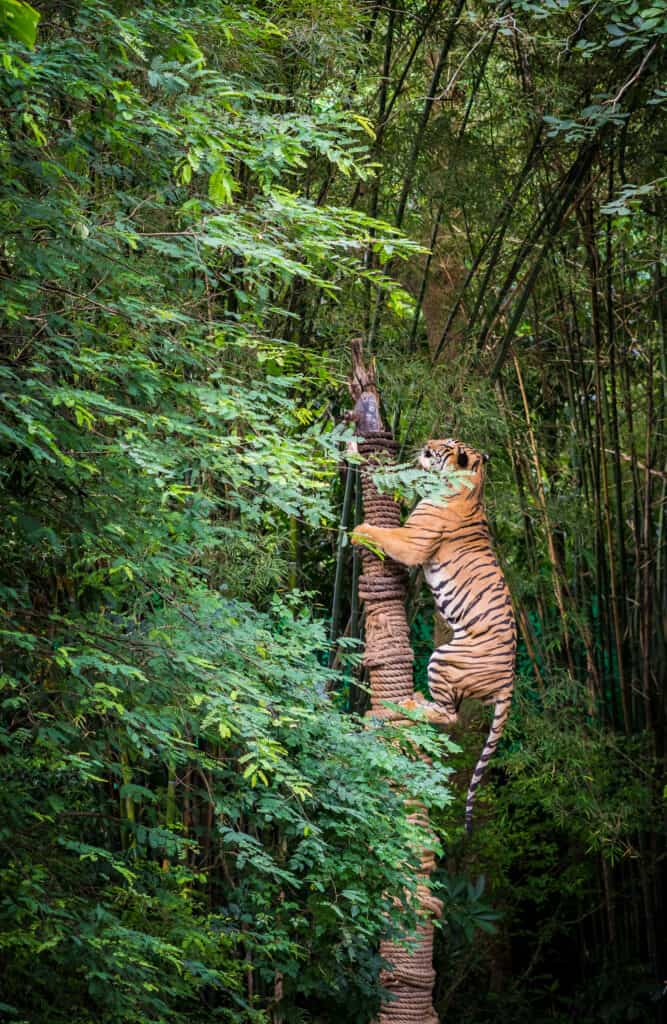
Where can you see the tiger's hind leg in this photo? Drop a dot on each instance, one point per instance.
(440, 710)
(445, 699)
(443, 707)
(464, 667)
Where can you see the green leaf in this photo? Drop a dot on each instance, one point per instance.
(221, 184)
(19, 20)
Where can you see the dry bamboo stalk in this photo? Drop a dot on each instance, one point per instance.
(561, 589)
(539, 494)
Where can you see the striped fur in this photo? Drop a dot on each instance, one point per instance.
(452, 542)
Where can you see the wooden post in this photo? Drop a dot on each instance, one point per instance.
(389, 659)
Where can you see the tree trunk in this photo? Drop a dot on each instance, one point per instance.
(388, 658)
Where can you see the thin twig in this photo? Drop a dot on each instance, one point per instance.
(633, 78)
(641, 465)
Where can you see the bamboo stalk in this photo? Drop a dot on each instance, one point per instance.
(605, 554)
(170, 805)
(539, 493)
(417, 141)
(127, 808)
(340, 560)
(438, 218)
(552, 226)
(498, 231)
(646, 568)
(619, 598)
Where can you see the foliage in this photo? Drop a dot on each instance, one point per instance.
(533, 172)
(200, 205)
(187, 819)
(411, 485)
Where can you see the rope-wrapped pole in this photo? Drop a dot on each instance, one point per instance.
(389, 660)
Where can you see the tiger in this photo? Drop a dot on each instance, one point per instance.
(451, 541)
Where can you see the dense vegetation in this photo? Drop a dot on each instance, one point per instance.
(200, 204)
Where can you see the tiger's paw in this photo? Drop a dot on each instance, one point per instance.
(435, 714)
(362, 533)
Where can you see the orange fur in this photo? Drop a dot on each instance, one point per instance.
(452, 542)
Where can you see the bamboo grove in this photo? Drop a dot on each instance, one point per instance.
(201, 204)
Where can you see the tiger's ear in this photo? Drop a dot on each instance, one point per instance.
(485, 457)
(461, 458)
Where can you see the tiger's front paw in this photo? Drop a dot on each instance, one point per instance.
(362, 532)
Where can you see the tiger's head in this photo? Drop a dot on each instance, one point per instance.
(444, 456)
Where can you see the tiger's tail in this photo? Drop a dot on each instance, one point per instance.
(500, 715)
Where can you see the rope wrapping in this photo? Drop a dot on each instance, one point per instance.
(389, 659)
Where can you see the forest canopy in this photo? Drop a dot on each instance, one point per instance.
(201, 205)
